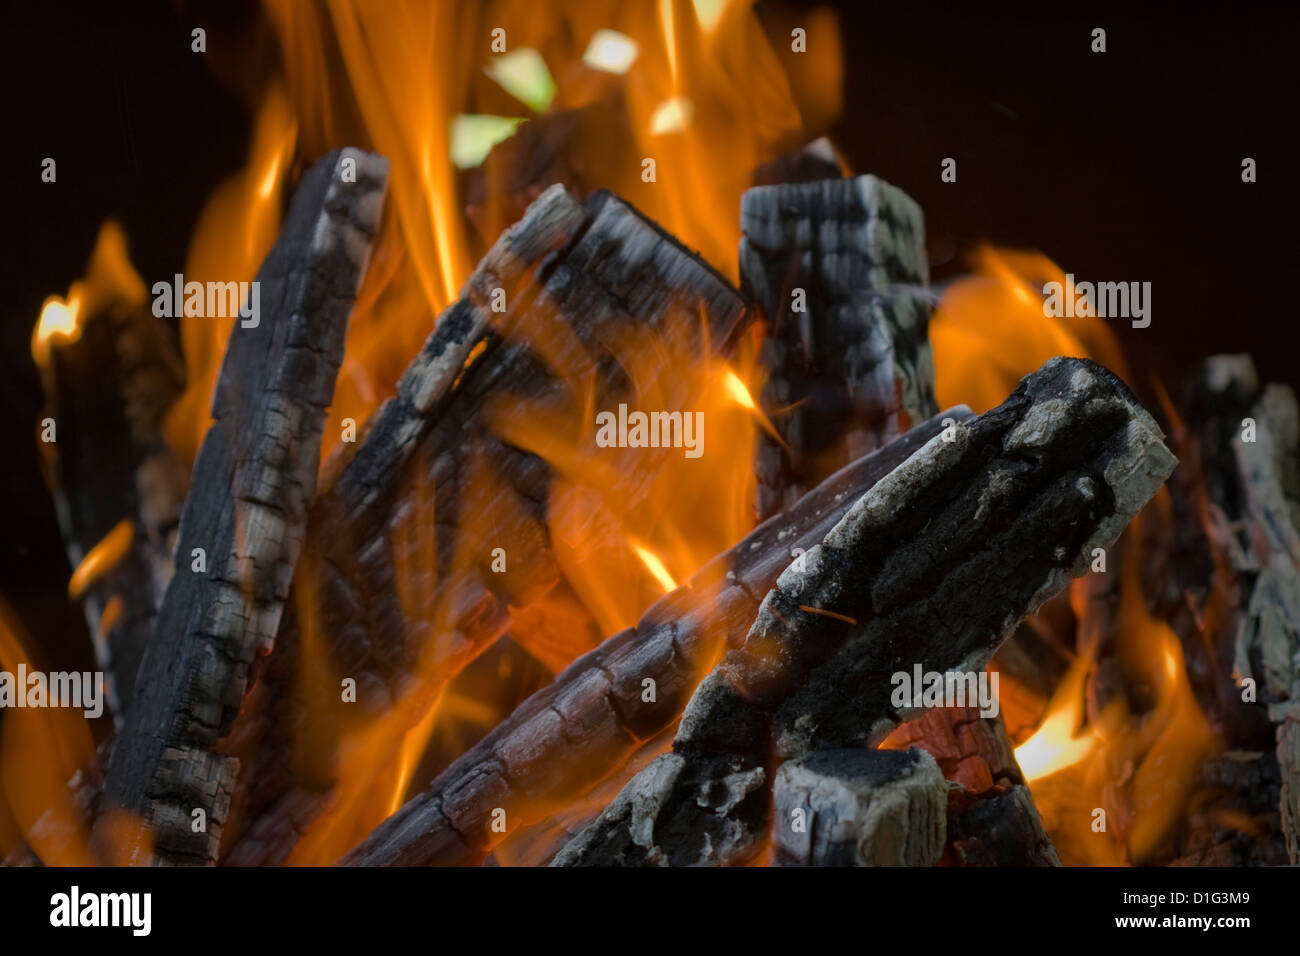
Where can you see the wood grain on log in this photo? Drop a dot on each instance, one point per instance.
(583, 727)
(581, 282)
(253, 479)
(859, 808)
(934, 566)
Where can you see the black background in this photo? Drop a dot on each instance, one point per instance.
(1124, 165)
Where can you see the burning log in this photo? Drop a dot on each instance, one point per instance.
(118, 488)
(575, 731)
(576, 283)
(253, 478)
(859, 808)
(998, 827)
(838, 270)
(936, 564)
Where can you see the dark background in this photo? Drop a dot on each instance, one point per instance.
(1124, 165)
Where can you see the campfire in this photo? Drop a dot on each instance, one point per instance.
(550, 453)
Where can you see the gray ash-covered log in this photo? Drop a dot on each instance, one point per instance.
(838, 270)
(859, 808)
(242, 525)
(934, 566)
(400, 548)
(583, 727)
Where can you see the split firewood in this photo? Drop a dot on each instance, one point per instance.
(242, 525)
(544, 323)
(934, 566)
(583, 727)
(838, 270)
(117, 486)
(859, 808)
(998, 827)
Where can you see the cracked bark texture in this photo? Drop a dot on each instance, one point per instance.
(838, 269)
(935, 566)
(253, 478)
(582, 728)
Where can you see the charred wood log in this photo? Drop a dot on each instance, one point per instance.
(118, 487)
(242, 525)
(935, 565)
(998, 827)
(859, 808)
(584, 726)
(838, 270)
(577, 283)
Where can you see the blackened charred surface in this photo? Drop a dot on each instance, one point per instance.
(826, 675)
(253, 479)
(674, 642)
(837, 269)
(997, 827)
(109, 392)
(579, 281)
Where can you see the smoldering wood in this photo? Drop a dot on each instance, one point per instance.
(580, 280)
(109, 391)
(1250, 513)
(997, 827)
(859, 808)
(253, 478)
(838, 270)
(583, 727)
(971, 749)
(935, 565)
